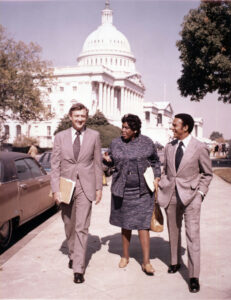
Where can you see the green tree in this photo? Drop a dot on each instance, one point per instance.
(205, 51)
(97, 122)
(215, 135)
(24, 78)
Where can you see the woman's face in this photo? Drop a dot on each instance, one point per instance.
(127, 132)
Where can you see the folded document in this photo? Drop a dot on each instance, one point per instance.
(66, 189)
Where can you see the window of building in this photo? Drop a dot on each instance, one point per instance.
(18, 130)
(49, 90)
(147, 116)
(7, 130)
(61, 108)
(61, 88)
(48, 130)
(74, 88)
(49, 108)
(36, 130)
(159, 119)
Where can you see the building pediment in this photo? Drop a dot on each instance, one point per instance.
(136, 78)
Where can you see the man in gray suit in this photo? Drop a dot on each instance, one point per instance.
(76, 155)
(187, 174)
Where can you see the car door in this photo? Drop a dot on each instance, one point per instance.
(43, 180)
(28, 196)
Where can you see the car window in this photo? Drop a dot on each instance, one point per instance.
(7, 171)
(34, 168)
(1, 171)
(22, 169)
(45, 158)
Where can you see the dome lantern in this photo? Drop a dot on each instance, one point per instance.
(107, 14)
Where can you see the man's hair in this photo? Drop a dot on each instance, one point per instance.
(77, 106)
(186, 120)
(133, 121)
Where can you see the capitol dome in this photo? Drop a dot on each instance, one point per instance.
(107, 46)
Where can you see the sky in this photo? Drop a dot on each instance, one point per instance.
(152, 28)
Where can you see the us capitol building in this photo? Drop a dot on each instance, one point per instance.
(104, 79)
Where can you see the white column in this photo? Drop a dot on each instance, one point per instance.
(108, 101)
(112, 102)
(101, 96)
(122, 101)
(104, 98)
(115, 103)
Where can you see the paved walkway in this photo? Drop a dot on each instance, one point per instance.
(39, 269)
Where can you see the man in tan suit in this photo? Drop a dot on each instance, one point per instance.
(184, 183)
(76, 155)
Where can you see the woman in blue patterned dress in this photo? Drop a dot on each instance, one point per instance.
(132, 201)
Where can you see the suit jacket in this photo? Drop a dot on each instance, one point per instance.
(193, 174)
(88, 166)
(143, 154)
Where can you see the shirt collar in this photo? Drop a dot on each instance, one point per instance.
(186, 140)
(73, 130)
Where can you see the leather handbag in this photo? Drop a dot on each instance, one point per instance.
(157, 221)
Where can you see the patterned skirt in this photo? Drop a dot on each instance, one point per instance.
(134, 211)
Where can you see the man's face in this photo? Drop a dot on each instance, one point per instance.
(78, 118)
(179, 131)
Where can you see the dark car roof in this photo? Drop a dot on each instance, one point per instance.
(6, 155)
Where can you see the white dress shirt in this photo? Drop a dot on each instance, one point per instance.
(73, 135)
(185, 142)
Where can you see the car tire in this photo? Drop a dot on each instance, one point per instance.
(6, 230)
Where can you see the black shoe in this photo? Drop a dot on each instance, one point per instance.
(194, 285)
(70, 263)
(173, 268)
(78, 278)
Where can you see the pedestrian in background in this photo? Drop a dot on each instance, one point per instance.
(184, 183)
(131, 201)
(77, 156)
(33, 151)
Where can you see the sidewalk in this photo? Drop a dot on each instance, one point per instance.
(39, 269)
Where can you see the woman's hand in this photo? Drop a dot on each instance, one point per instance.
(156, 182)
(106, 157)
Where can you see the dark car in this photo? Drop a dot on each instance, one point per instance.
(24, 192)
(45, 160)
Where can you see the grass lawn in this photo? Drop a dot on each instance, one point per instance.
(224, 173)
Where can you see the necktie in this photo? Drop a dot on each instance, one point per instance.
(76, 145)
(179, 155)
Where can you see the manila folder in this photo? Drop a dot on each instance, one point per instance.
(66, 188)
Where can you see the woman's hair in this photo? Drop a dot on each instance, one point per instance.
(133, 121)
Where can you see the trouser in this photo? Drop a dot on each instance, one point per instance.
(191, 213)
(76, 217)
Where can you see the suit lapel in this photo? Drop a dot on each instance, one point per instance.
(172, 153)
(85, 143)
(190, 150)
(68, 143)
